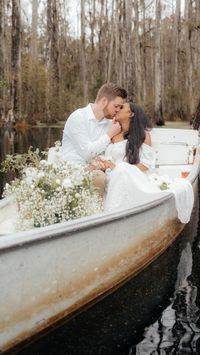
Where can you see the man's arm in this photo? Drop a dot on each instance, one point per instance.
(77, 131)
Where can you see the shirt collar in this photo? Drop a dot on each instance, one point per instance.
(90, 112)
(91, 115)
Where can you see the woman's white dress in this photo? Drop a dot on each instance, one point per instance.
(128, 186)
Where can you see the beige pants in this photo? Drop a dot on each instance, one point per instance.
(99, 181)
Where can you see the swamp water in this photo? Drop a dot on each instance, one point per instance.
(157, 312)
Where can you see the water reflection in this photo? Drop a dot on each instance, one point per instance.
(19, 141)
(177, 330)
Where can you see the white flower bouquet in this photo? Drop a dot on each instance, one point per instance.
(48, 193)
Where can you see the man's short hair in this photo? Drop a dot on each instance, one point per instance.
(111, 91)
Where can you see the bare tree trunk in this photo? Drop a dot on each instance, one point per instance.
(33, 66)
(138, 68)
(53, 76)
(48, 60)
(176, 40)
(197, 56)
(128, 84)
(158, 110)
(100, 34)
(2, 55)
(196, 121)
(110, 58)
(118, 41)
(197, 50)
(188, 34)
(144, 67)
(55, 63)
(103, 40)
(34, 44)
(16, 59)
(91, 59)
(83, 53)
(92, 24)
(123, 42)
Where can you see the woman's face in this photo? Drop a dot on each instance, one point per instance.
(125, 114)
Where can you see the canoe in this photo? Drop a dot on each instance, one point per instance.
(51, 273)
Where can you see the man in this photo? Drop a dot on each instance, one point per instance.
(89, 130)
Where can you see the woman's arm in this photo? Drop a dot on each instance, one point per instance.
(147, 138)
(142, 167)
(148, 142)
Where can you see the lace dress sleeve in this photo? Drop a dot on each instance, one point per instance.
(147, 156)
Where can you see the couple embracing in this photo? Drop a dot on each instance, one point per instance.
(118, 133)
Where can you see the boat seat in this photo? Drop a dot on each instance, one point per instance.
(174, 146)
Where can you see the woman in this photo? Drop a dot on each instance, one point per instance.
(129, 182)
(135, 147)
(128, 158)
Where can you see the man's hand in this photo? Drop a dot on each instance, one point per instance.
(114, 129)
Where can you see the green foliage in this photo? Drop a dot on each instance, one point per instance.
(148, 104)
(33, 89)
(4, 84)
(177, 105)
(164, 186)
(17, 162)
(95, 87)
(72, 99)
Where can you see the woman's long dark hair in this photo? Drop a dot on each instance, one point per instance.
(136, 133)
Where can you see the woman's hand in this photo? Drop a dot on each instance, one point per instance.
(101, 164)
(109, 164)
(97, 165)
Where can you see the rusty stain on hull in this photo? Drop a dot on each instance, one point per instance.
(136, 257)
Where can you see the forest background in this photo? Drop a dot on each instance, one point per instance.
(151, 48)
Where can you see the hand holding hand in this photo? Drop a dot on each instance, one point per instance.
(109, 164)
(97, 165)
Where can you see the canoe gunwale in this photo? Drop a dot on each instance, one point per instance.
(70, 227)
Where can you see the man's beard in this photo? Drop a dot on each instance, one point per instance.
(107, 114)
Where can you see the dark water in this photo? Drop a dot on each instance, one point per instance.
(157, 312)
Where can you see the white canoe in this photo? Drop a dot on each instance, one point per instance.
(51, 273)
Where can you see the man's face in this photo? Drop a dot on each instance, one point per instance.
(112, 107)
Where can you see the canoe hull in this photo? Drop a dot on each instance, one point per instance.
(55, 276)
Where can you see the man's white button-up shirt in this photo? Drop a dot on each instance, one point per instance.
(84, 137)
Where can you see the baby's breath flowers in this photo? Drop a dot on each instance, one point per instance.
(50, 193)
